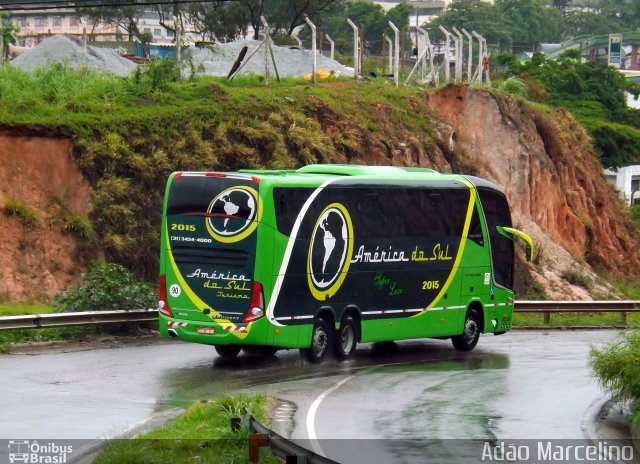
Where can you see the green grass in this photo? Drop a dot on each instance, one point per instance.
(202, 434)
(11, 337)
(17, 309)
(575, 320)
(22, 211)
(617, 368)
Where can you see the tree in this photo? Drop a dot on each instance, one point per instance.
(529, 22)
(7, 30)
(125, 16)
(217, 20)
(589, 23)
(289, 14)
(370, 17)
(472, 15)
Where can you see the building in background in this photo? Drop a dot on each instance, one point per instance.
(627, 181)
(36, 25)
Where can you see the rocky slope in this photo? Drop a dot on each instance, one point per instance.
(540, 157)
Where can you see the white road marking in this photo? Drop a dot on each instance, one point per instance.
(311, 414)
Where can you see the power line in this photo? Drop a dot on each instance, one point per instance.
(36, 5)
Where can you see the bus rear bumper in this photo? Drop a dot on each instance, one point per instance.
(211, 333)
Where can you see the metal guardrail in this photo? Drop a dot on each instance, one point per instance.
(550, 307)
(280, 446)
(42, 321)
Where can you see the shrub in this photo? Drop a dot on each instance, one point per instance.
(79, 225)
(617, 368)
(22, 211)
(514, 86)
(577, 278)
(106, 287)
(635, 214)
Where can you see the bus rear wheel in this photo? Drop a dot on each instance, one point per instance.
(346, 340)
(227, 351)
(320, 342)
(468, 340)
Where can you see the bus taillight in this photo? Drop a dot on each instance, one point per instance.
(163, 305)
(256, 305)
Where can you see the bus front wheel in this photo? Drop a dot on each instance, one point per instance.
(320, 342)
(468, 340)
(346, 340)
(227, 351)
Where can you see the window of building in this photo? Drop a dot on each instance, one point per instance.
(147, 30)
(157, 32)
(41, 21)
(74, 21)
(57, 21)
(169, 33)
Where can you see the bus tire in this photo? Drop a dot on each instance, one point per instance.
(227, 351)
(346, 339)
(320, 342)
(468, 340)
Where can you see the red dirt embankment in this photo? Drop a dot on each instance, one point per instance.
(545, 163)
(39, 261)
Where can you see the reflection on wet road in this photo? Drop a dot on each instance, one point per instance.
(520, 385)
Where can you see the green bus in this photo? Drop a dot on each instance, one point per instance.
(326, 256)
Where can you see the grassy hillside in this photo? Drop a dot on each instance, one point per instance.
(130, 133)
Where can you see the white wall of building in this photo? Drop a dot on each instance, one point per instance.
(626, 180)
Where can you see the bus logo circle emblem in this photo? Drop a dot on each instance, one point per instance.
(233, 214)
(330, 251)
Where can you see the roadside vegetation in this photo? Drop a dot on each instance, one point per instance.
(107, 287)
(202, 434)
(617, 368)
(577, 320)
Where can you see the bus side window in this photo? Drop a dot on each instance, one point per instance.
(475, 229)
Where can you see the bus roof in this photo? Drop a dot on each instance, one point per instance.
(314, 174)
(351, 170)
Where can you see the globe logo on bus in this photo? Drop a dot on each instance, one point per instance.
(329, 251)
(231, 212)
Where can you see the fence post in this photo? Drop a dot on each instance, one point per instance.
(547, 318)
(396, 67)
(84, 42)
(447, 51)
(479, 68)
(390, 42)
(356, 47)
(313, 49)
(425, 35)
(266, 50)
(296, 38)
(332, 43)
(459, 54)
(623, 318)
(470, 54)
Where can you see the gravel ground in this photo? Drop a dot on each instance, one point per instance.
(290, 62)
(217, 61)
(63, 49)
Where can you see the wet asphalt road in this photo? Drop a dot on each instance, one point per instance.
(519, 385)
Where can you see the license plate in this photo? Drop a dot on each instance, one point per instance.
(206, 330)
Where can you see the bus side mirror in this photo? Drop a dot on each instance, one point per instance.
(511, 233)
